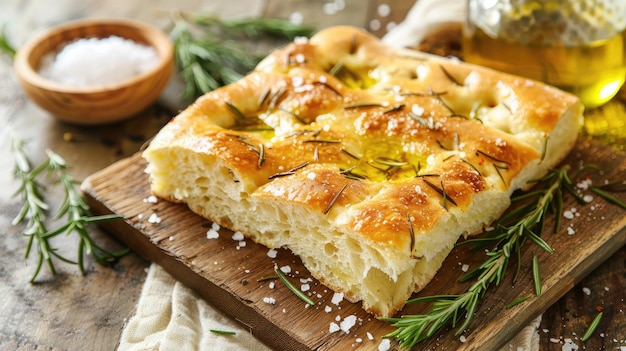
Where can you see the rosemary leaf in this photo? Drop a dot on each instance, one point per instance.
(237, 112)
(536, 275)
(592, 327)
(450, 77)
(293, 289)
(5, 46)
(608, 197)
(335, 198)
(517, 301)
(222, 332)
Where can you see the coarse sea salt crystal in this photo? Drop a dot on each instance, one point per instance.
(385, 345)
(347, 323)
(212, 234)
(269, 300)
(154, 218)
(337, 298)
(89, 62)
(285, 269)
(151, 199)
(272, 253)
(237, 236)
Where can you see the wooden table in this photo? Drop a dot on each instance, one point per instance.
(74, 312)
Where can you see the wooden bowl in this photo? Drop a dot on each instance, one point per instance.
(94, 104)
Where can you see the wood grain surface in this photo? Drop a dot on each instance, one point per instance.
(232, 277)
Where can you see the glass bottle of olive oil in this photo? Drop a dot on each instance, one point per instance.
(576, 45)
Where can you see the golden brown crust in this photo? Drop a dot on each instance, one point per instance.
(389, 148)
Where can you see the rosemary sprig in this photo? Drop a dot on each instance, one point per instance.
(78, 216)
(209, 51)
(512, 231)
(35, 212)
(34, 209)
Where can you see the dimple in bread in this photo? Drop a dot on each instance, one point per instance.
(366, 161)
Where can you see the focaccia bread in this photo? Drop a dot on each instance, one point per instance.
(367, 162)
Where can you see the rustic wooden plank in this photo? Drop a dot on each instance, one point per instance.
(229, 275)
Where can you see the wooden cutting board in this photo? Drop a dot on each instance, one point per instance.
(233, 277)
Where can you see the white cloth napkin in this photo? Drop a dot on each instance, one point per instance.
(170, 316)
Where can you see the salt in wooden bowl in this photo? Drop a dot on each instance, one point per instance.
(95, 104)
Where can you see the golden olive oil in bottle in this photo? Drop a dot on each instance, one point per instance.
(576, 45)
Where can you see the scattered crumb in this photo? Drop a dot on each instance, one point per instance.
(587, 291)
(369, 336)
(333, 327)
